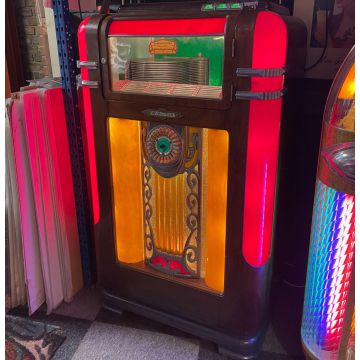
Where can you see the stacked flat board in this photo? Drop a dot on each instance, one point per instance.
(15, 280)
(48, 223)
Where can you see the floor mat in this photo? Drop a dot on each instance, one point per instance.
(30, 340)
(106, 341)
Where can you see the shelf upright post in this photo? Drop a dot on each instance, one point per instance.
(67, 48)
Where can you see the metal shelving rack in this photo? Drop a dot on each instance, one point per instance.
(66, 42)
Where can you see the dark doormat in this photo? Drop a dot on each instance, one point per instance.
(30, 340)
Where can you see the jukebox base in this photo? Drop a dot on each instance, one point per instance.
(231, 346)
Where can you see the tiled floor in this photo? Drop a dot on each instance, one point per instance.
(95, 333)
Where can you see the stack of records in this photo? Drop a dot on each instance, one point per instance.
(14, 268)
(45, 193)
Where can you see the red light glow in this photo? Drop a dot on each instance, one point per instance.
(89, 123)
(209, 26)
(269, 51)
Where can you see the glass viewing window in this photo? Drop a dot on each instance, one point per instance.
(168, 65)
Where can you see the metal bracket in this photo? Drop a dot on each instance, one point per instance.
(249, 72)
(87, 64)
(92, 84)
(268, 95)
(251, 4)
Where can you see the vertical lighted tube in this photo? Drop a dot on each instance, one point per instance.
(89, 123)
(158, 210)
(125, 157)
(173, 195)
(160, 214)
(215, 224)
(329, 270)
(263, 140)
(181, 217)
(176, 220)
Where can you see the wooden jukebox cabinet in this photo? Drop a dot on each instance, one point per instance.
(182, 107)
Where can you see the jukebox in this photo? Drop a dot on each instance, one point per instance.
(328, 324)
(182, 108)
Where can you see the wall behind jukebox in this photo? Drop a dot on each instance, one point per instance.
(30, 21)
